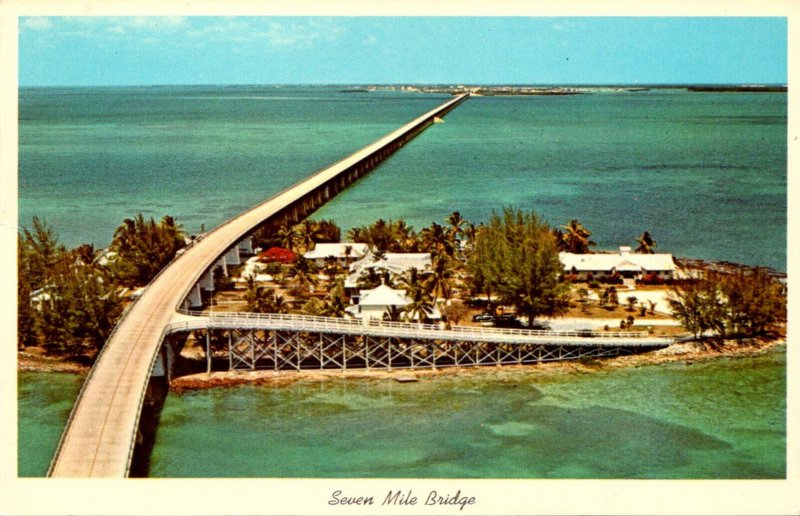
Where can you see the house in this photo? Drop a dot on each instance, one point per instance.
(625, 263)
(394, 263)
(376, 304)
(344, 253)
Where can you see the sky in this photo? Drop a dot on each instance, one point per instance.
(88, 51)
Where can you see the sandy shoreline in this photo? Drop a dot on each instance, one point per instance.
(687, 352)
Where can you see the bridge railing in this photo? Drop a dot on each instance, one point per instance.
(315, 323)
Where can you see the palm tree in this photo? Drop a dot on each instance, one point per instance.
(438, 283)
(646, 244)
(393, 313)
(405, 238)
(436, 240)
(357, 234)
(335, 304)
(420, 307)
(302, 274)
(307, 234)
(575, 238)
(369, 278)
(410, 281)
(457, 223)
(287, 236)
(259, 299)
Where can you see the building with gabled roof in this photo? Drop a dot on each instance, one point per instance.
(376, 303)
(394, 263)
(625, 263)
(343, 252)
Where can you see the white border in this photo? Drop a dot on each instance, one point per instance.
(289, 496)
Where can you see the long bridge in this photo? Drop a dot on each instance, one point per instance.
(100, 434)
(101, 431)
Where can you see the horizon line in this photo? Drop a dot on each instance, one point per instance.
(423, 84)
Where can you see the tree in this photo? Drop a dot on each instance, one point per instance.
(438, 282)
(575, 238)
(307, 235)
(286, 236)
(369, 278)
(406, 239)
(326, 231)
(631, 303)
(646, 244)
(39, 253)
(583, 299)
(259, 299)
(517, 255)
(699, 306)
(420, 306)
(456, 230)
(754, 300)
(335, 304)
(303, 274)
(436, 240)
(26, 317)
(144, 247)
(81, 311)
(410, 281)
(313, 307)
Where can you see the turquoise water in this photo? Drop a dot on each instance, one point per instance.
(704, 173)
(90, 157)
(45, 400)
(719, 419)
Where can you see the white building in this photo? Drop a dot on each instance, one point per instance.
(376, 303)
(343, 252)
(625, 263)
(395, 263)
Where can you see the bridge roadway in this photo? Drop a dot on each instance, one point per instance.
(188, 320)
(101, 431)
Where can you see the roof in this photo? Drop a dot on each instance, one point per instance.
(395, 263)
(383, 296)
(337, 250)
(622, 261)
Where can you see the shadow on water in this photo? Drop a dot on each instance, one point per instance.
(156, 396)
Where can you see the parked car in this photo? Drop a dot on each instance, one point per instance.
(483, 318)
(507, 321)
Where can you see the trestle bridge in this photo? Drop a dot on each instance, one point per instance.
(283, 341)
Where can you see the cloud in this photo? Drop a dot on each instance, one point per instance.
(281, 33)
(38, 23)
(158, 23)
(370, 39)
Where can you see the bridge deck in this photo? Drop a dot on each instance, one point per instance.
(186, 321)
(101, 431)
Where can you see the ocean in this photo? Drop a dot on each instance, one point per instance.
(704, 173)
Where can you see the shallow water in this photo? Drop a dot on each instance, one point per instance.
(718, 419)
(45, 400)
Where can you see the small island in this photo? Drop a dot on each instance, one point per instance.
(514, 271)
